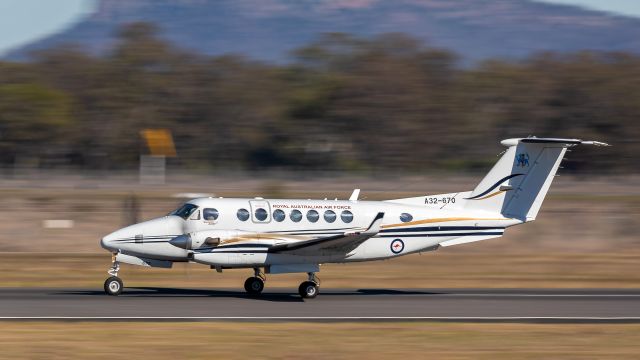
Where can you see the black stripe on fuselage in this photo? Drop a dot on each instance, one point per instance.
(494, 186)
(441, 228)
(154, 237)
(441, 234)
(144, 241)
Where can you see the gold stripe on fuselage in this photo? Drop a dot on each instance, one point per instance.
(491, 195)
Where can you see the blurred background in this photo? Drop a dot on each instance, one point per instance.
(115, 111)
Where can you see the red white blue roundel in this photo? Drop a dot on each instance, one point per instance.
(397, 246)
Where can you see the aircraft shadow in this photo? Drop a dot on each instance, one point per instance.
(156, 292)
(159, 292)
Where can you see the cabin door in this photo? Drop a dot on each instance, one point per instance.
(260, 211)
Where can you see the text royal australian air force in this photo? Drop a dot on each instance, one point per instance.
(311, 206)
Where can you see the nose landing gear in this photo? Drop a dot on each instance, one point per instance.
(254, 285)
(113, 285)
(309, 289)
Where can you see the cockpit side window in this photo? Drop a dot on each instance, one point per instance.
(184, 211)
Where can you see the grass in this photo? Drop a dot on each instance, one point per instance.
(226, 340)
(446, 268)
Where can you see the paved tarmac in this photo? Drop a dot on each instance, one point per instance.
(515, 305)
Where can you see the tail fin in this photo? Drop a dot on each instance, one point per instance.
(517, 184)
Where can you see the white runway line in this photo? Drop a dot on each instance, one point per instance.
(461, 318)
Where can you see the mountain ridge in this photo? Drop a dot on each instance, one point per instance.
(270, 29)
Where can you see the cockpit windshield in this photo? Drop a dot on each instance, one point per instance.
(184, 211)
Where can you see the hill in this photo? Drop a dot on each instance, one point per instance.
(269, 29)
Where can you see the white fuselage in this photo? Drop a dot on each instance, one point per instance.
(244, 241)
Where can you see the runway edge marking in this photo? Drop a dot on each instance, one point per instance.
(471, 319)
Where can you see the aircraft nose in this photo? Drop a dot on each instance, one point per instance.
(123, 239)
(107, 242)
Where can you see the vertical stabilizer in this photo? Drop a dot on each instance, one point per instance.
(517, 184)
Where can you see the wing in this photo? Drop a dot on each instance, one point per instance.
(332, 244)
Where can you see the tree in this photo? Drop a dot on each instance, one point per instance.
(32, 116)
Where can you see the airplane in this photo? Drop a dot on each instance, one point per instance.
(277, 236)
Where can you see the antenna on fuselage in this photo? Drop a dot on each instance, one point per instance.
(354, 195)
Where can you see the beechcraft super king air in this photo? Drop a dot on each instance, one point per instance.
(276, 236)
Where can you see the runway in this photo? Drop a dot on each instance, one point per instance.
(512, 305)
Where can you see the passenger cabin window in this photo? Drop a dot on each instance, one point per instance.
(313, 216)
(329, 216)
(279, 215)
(210, 214)
(406, 217)
(261, 214)
(184, 211)
(295, 215)
(243, 214)
(346, 216)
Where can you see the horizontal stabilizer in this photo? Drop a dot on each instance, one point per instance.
(537, 140)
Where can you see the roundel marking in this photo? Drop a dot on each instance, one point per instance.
(397, 246)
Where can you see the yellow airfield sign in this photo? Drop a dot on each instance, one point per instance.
(159, 142)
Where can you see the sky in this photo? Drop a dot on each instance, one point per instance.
(23, 21)
(623, 7)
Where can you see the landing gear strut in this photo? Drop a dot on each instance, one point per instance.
(309, 289)
(254, 285)
(113, 285)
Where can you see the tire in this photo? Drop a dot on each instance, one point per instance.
(113, 286)
(308, 290)
(254, 285)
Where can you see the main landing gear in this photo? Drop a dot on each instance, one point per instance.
(254, 285)
(309, 289)
(113, 285)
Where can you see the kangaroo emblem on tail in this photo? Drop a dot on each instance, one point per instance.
(523, 160)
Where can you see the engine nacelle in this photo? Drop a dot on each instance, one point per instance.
(206, 239)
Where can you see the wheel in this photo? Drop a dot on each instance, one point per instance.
(254, 285)
(308, 290)
(113, 286)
